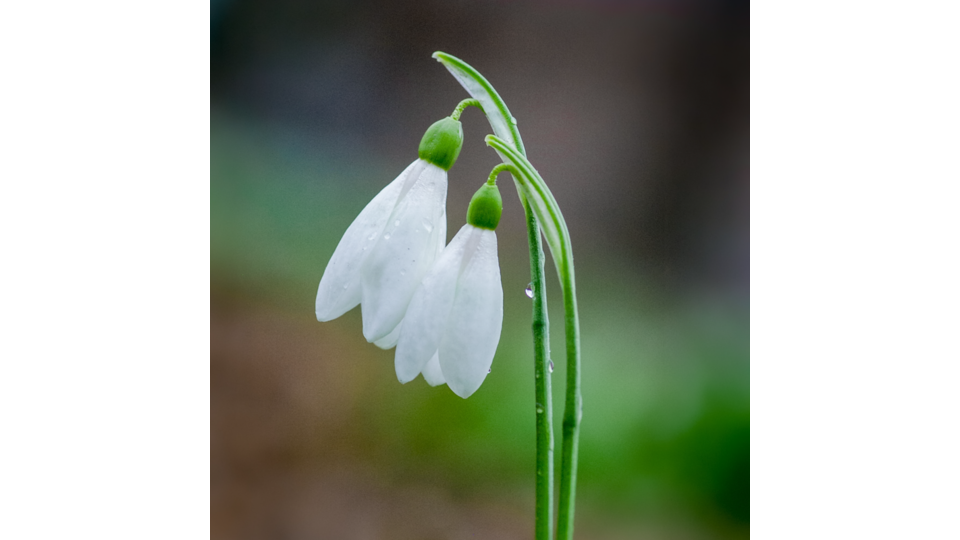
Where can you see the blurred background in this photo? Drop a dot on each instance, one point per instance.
(637, 116)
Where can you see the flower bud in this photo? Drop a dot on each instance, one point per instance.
(442, 142)
(485, 208)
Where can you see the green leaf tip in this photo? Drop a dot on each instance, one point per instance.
(496, 111)
(444, 58)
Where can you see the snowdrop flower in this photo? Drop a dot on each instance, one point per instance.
(387, 250)
(452, 326)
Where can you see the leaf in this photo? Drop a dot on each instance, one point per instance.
(503, 123)
(544, 205)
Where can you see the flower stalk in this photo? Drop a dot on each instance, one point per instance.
(542, 387)
(504, 125)
(543, 214)
(462, 107)
(558, 238)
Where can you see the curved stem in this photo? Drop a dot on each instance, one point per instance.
(463, 105)
(496, 111)
(505, 125)
(492, 179)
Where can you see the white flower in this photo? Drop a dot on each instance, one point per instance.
(452, 326)
(386, 251)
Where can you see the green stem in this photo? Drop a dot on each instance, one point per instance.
(505, 126)
(548, 214)
(573, 407)
(463, 105)
(492, 179)
(543, 395)
(542, 391)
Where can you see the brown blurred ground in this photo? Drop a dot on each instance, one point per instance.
(283, 449)
(281, 455)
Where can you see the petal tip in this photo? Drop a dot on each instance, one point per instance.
(463, 391)
(463, 395)
(404, 376)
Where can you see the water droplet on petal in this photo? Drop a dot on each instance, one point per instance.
(386, 237)
(372, 236)
(404, 273)
(345, 287)
(396, 223)
(513, 120)
(427, 225)
(529, 290)
(551, 366)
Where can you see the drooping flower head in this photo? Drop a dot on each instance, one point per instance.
(387, 250)
(452, 326)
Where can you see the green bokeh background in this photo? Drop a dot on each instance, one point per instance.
(313, 437)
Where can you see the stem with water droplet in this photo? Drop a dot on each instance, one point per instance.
(542, 368)
(542, 391)
(504, 124)
(535, 192)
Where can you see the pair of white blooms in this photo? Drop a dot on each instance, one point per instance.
(442, 307)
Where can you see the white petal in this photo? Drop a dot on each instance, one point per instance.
(404, 252)
(432, 372)
(473, 328)
(441, 237)
(389, 341)
(339, 290)
(429, 309)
